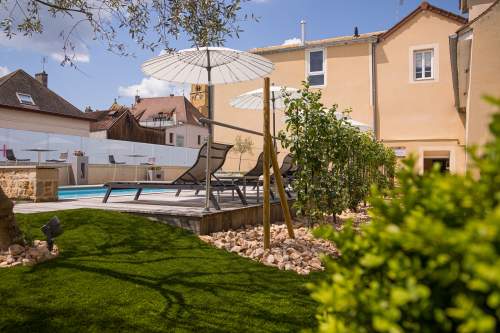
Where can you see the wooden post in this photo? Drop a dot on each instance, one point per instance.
(266, 210)
(281, 191)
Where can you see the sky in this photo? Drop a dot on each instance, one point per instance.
(103, 76)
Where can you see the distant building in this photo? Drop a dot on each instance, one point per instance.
(199, 98)
(118, 123)
(26, 103)
(176, 115)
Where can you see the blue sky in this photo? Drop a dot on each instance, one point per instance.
(102, 73)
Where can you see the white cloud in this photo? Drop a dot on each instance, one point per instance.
(51, 41)
(292, 41)
(78, 57)
(151, 87)
(4, 70)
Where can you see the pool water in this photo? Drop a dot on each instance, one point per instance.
(99, 191)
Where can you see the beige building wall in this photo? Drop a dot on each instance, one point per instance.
(484, 75)
(347, 84)
(414, 115)
(33, 121)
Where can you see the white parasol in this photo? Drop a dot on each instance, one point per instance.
(208, 65)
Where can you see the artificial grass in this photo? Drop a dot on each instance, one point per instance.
(118, 272)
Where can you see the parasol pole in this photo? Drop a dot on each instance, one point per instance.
(266, 212)
(208, 176)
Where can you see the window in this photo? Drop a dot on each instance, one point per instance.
(25, 99)
(199, 139)
(316, 67)
(423, 65)
(179, 140)
(171, 137)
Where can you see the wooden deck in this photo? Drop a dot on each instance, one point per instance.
(185, 211)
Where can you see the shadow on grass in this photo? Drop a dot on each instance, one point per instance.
(119, 272)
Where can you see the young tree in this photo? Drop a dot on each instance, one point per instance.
(151, 24)
(337, 162)
(243, 146)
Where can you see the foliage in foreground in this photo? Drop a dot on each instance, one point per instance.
(123, 273)
(338, 162)
(428, 262)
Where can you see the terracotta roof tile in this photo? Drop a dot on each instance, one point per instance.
(149, 108)
(424, 6)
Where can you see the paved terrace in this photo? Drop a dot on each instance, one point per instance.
(185, 211)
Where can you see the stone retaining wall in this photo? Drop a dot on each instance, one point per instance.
(30, 182)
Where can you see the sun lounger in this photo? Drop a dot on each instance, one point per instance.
(192, 179)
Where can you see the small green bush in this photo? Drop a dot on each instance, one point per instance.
(428, 262)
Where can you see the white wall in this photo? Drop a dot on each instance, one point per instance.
(97, 149)
(190, 133)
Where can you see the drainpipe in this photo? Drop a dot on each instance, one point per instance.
(374, 91)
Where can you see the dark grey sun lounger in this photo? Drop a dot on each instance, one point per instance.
(250, 178)
(192, 179)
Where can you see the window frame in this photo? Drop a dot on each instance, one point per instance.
(308, 65)
(423, 53)
(19, 98)
(435, 63)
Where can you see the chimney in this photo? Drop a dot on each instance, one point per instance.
(303, 32)
(137, 99)
(43, 78)
(356, 32)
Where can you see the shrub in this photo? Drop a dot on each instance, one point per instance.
(428, 262)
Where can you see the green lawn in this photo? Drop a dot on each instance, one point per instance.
(119, 272)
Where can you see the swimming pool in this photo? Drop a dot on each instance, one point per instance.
(76, 192)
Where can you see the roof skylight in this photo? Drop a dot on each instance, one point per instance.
(25, 99)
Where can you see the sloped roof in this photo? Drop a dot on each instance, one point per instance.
(46, 101)
(185, 112)
(106, 119)
(424, 6)
(362, 38)
(479, 17)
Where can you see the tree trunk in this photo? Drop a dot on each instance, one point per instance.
(9, 230)
(239, 164)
